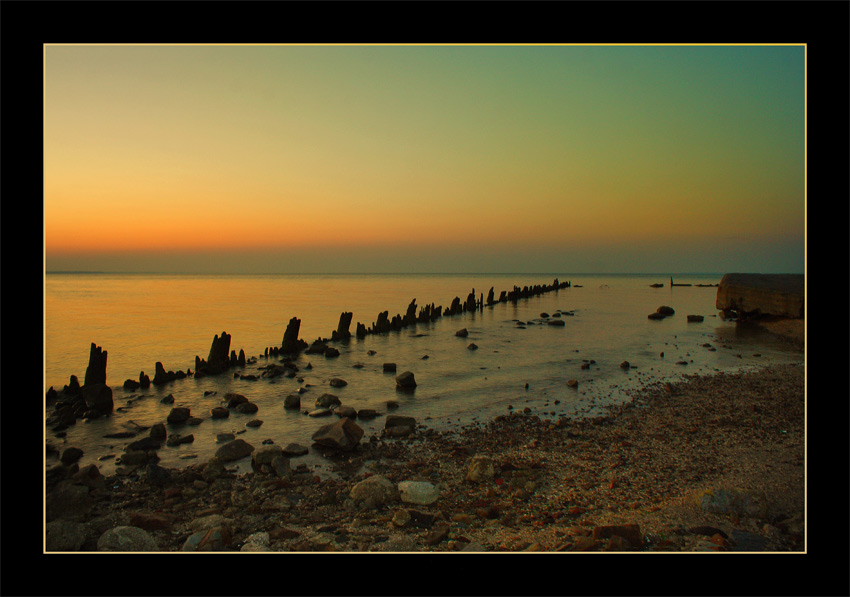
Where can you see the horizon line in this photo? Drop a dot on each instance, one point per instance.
(430, 273)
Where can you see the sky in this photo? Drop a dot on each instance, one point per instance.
(424, 158)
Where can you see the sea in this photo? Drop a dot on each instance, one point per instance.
(521, 362)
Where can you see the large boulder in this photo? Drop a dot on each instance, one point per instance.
(343, 434)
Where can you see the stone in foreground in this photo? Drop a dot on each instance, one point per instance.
(343, 434)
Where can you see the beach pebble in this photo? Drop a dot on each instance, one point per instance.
(418, 492)
(374, 491)
(292, 401)
(126, 538)
(480, 470)
(336, 382)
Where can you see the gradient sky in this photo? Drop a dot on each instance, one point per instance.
(292, 159)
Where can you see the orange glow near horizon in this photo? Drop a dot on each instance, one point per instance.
(211, 148)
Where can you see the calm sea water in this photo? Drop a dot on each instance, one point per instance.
(141, 319)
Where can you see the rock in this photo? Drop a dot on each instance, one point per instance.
(346, 411)
(219, 412)
(126, 538)
(480, 470)
(234, 450)
(265, 455)
(399, 421)
(292, 401)
(89, 476)
(225, 437)
(665, 310)
(98, 397)
(280, 466)
(733, 501)
(146, 443)
(65, 535)
(71, 455)
(327, 401)
(294, 449)
(462, 333)
(152, 522)
(405, 381)
(247, 408)
(374, 491)
(233, 400)
(557, 323)
(389, 367)
(439, 534)
(331, 352)
(168, 399)
(418, 492)
(625, 365)
(695, 318)
(176, 440)
(178, 415)
(158, 475)
(68, 500)
(96, 370)
(254, 423)
(214, 539)
(655, 316)
(256, 542)
(343, 434)
(320, 412)
(472, 346)
(573, 383)
(397, 431)
(367, 413)
(131, 384)
(336, 382)
(629, 532)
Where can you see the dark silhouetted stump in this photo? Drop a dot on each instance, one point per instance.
(96, 371)
(290, 337)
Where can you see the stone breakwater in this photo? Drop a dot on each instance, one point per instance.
(715, 463)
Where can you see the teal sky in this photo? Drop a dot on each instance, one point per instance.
(425, 158)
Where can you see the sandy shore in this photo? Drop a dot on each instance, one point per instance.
(714, 463)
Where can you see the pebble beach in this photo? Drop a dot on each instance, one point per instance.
(712, 463)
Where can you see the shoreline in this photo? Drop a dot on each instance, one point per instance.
(714, 463)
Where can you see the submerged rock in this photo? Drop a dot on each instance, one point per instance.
(405, 381)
